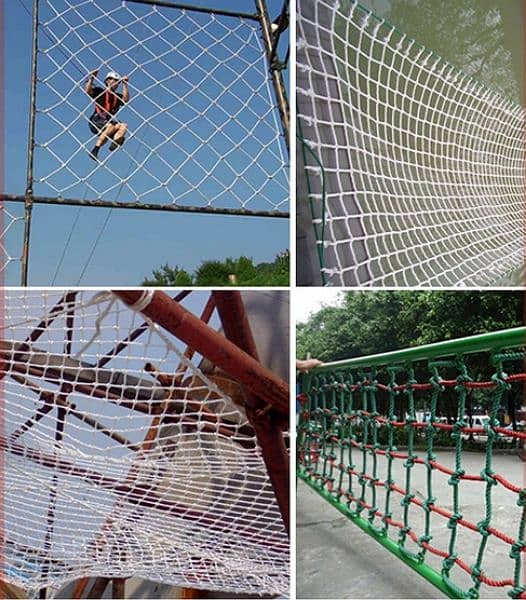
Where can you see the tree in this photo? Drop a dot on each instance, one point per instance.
(217, 273)
(376, 322)
(213, 273)
(167, 276)
(380, 321)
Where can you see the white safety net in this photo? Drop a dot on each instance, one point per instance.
(11, 235)
(414, 171)
(121, 457)
(203, 128)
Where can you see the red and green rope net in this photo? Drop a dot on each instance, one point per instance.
(361, 440)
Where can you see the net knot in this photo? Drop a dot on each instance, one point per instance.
(500, 381)
(406, 500)
(436, 384)
(456, 476)
(409, 386)
(462, 379)
(409, 462)
(517, 591)
(482, 528)
(424, 539)
(427, 503)
(488, 476)
(448, 562)
(516, 549)
(521, 499)
(453, 520)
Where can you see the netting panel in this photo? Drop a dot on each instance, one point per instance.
(12, 229)
(203, 124)
(424, 167)
(86, 496)
(377, 442)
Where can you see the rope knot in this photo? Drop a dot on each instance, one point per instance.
(500, 381)
(453, 520)
(516, 549)
(482, 528)
(448, 562)
(406, 500)
(487, 476)
(517, 591)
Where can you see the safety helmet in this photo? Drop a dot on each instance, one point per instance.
(112, 75)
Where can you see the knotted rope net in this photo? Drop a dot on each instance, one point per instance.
(122, 457)
(389, 440)
(203, 125)
(414, 172)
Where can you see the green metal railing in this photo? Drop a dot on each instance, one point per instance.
(359, 412)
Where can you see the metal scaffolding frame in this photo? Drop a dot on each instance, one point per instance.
(29, 199)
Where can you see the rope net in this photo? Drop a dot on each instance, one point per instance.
(122, 457)
(375, 440)
(414, 171)
(202, 124)
(11, 228)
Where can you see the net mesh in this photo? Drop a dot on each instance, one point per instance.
(11, 232)
(203, 127)
(123, 458)
(414, 171)
(387, 442)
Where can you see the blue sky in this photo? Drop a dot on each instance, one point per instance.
(133, 242)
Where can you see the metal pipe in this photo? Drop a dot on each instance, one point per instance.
(267, 427)
(133, 336)
(277, 77)
(51, 399)
(423, 569)
(283, 15)
(207, 210)
(118, 587)
(28, 198)
(227, 356)
(495, 340)
(148, 408)
(201, 9)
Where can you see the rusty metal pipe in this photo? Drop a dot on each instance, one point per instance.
(223, 353)
(268, 429)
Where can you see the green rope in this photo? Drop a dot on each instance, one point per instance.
(319, 233)
(349, 410)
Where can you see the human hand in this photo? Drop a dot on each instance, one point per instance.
(307, 365)
(94, 73)
(125, 79)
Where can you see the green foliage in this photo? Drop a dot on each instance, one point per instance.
(216, 273)
(379, 321)
(375, 322)
(213, 273)
(167, 276)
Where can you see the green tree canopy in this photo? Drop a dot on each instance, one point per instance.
(372, 322)
(216, 273)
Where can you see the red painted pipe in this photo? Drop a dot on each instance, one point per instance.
(224, 354)
(268, 429)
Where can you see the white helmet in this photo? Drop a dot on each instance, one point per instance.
(112, 75)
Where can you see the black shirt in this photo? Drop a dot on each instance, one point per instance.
(106, 101)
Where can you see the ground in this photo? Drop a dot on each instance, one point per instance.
(336, 559)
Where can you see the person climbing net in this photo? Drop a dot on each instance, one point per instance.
(108, 101)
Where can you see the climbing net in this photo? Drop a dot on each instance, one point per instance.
(124, 456)
(374, 438)
(413, 171)
(203, 127)
(11, 228)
